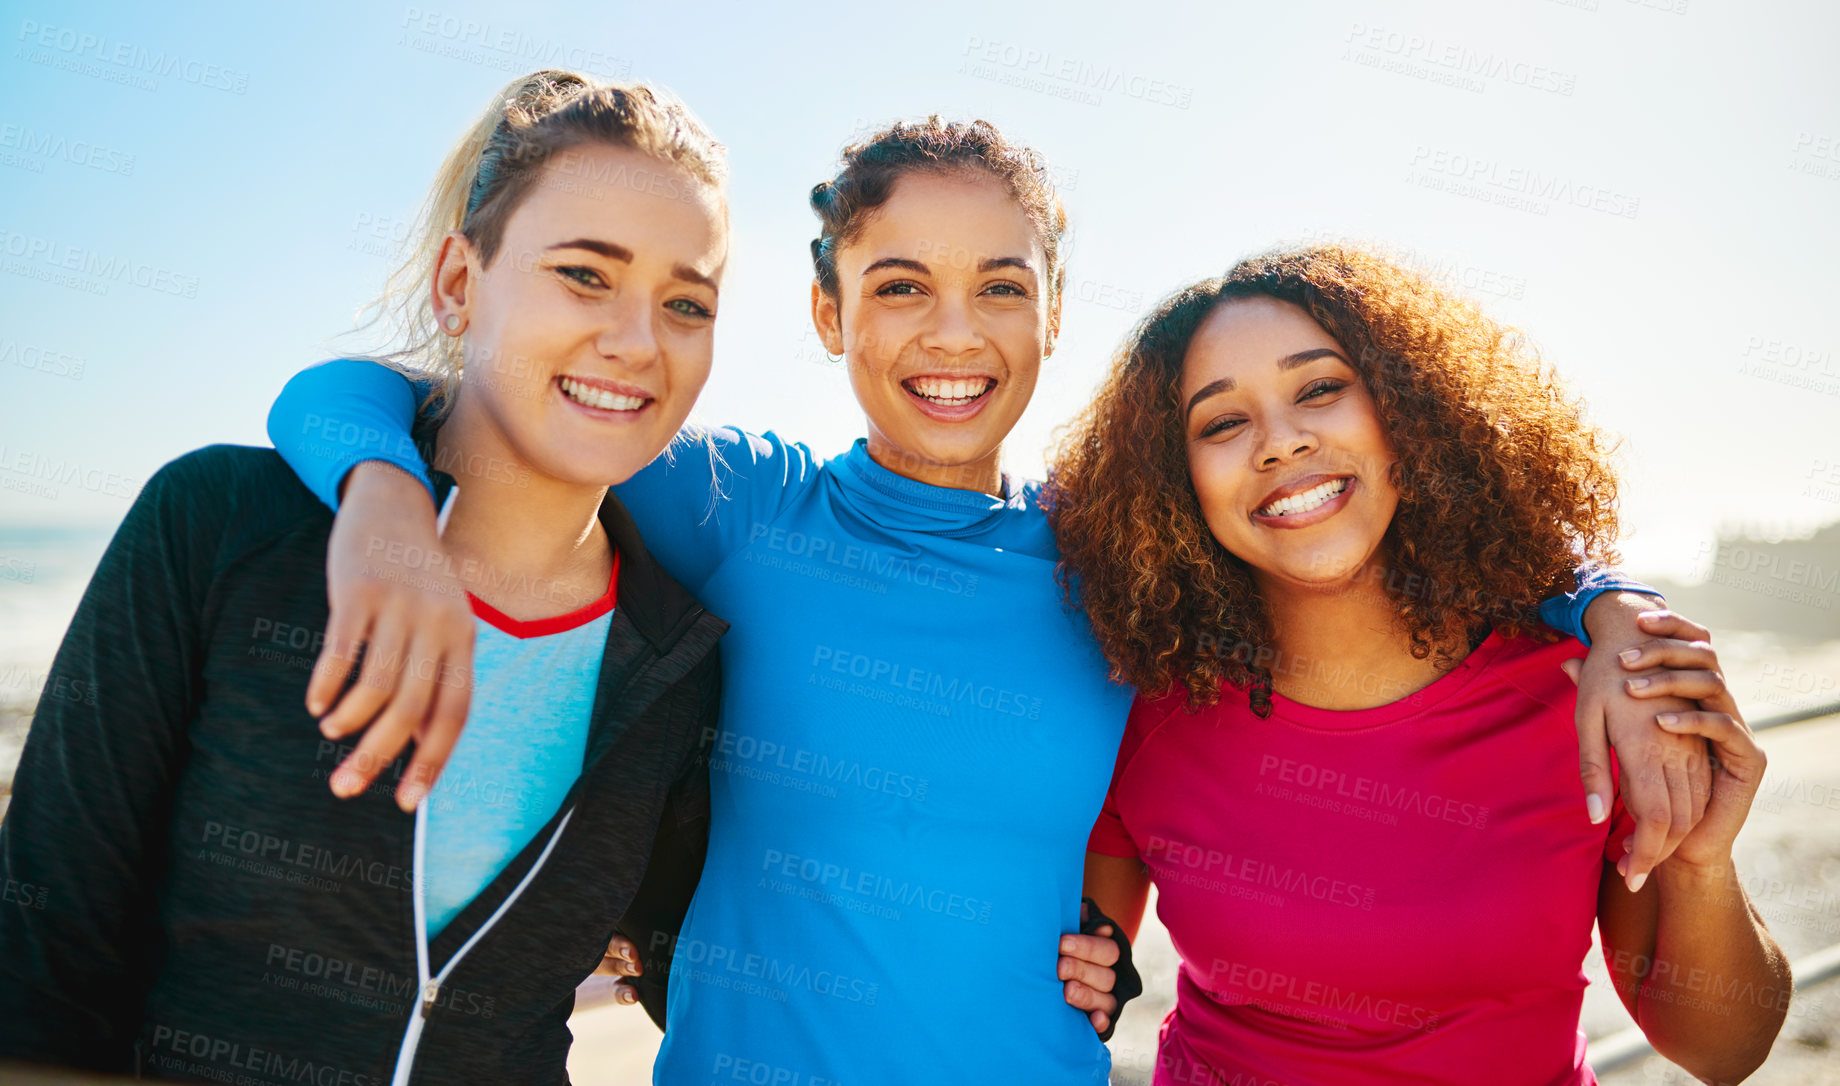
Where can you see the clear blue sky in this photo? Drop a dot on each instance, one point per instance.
(193, 199)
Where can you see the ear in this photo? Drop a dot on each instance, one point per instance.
(455, 270)
(827, 318)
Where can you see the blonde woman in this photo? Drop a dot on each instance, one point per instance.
(212, 911)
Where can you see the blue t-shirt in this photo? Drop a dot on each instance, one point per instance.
(916, 739)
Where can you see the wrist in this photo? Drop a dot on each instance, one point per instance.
(1612, 615)
(1707, 877)
(385, 481)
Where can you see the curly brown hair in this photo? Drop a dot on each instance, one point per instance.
(1503, 487)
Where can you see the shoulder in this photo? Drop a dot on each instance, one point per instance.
(1531, 666)
(1155, 717)
(231, 490)
(761, 461)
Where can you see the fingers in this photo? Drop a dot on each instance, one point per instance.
(1680, 805)
(1704, 686)
(1096, 977)
(1733, 741)
(434, 743)
(1593, 751)
(1646, 796)
(381, 669)
(1083, 997)
(346, 628)
(1669, 652)
(625, 994)
(379, 747)
(1666, 623)
(621, 959)
(1097, 949)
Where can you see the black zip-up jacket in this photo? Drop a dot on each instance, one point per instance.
(185, 897)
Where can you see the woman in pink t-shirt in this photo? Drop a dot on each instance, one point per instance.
(1358, 795)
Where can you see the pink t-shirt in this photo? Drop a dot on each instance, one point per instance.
(1395, 894)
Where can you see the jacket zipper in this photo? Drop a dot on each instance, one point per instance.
(431, 986)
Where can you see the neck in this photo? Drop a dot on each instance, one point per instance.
(1340, 645)
(984, 475)
(526, 542)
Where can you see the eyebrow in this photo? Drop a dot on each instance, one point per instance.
(992, 264)
(606, 248)
(624, 255)
(1285, 364)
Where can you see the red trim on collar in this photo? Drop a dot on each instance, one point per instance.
(555, 624)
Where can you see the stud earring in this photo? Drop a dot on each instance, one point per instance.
(452, 322)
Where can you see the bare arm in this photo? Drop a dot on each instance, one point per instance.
(1688, 953)
(1121, 886)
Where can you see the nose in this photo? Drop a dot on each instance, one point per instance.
(1284, 441)
(954, 329)
(629, 335)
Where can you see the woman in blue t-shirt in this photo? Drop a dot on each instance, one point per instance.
(916, 735)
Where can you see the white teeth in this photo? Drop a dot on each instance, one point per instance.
(590, 396)
(1306, 501)
(949, 392)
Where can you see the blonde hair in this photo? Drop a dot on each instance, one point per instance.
(489, 173)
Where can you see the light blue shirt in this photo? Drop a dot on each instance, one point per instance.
(521, 751)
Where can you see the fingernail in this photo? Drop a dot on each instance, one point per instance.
(411, 796)
(1629, 656)
(326, 729)
(316, 707)
(1636, 882)
(1594, 806)
(626, 952)
(1637, 684)
(1066, 945)
(344, 783)
(1667, 720)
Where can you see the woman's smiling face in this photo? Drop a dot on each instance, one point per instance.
(1285, 449)
(944, 315)
(590, 334)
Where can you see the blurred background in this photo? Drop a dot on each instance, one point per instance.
(194, 203)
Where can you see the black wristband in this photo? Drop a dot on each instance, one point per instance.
(1128, 985)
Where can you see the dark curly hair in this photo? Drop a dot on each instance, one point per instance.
(872, 166)
(1502, 485)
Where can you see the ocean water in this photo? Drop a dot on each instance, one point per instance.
(43, 571)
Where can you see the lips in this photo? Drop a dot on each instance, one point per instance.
(598, 394)
(949, 397)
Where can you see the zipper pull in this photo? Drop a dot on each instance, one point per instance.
(430, 992)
